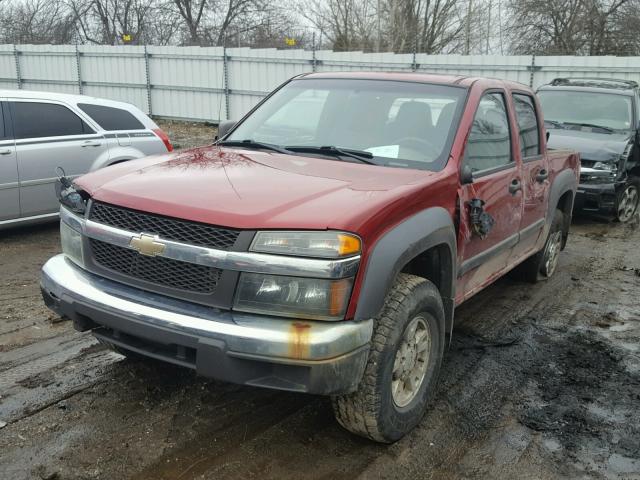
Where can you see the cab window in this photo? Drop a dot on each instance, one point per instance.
(527, 125)
(489, 144)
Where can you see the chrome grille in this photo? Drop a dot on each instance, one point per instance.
(166, 227)
(587, 163)
(161, 271)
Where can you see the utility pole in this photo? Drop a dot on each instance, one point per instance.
(467, 50)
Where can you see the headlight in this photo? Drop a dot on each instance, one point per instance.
(307, 298)
(328, 244)
(70, 196)
(606, 166)
(71, 241)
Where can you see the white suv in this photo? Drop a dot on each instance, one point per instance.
(40, 131)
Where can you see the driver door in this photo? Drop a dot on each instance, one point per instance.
(497, 181)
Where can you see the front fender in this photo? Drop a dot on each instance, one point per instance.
(396, 248)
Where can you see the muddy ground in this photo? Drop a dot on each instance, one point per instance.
(188, 134)
(540, 382)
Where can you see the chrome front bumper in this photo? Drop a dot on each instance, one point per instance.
(299, 355)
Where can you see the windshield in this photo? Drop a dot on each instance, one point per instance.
(574, 108)
(398, 124)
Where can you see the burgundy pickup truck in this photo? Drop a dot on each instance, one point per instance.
(323, 242)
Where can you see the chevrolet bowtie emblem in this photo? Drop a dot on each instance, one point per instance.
(147, 245)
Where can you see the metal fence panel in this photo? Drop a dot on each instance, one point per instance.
(7, 67)
(214, 83)
(186, 82)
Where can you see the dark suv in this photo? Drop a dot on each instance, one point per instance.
(599, 118)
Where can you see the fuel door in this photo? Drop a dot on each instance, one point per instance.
(124, 140)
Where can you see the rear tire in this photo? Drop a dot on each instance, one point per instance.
(403, 366)
(543, 264)
(628, 199)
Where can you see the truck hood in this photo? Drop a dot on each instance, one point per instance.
(599, 147)
(255, 189)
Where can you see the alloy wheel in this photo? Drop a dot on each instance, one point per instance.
(628, 203)
(411, 362)
(552, 253)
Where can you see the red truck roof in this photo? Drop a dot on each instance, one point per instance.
(444, 78)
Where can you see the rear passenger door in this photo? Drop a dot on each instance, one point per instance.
(497, 183)
(535, 173)
(9, 186)
(50, 135)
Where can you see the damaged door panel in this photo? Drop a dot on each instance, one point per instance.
(493, 200)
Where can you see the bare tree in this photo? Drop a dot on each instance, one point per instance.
(161, 25)
(429, 26)
(36, 21)
(347, 24)
(574, 27)
(192, 12)
(106, 21)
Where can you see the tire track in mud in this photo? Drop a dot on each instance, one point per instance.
(32, 386)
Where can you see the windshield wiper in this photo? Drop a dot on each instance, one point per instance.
(555, 123)
(360, 155)
(252, 144)
(590, 125)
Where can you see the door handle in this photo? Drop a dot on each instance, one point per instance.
(542, 175)
(515, 186)
(91, 143)
(8, 151)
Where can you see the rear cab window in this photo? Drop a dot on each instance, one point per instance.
(111, 118)
(528, 125)
(38, 120)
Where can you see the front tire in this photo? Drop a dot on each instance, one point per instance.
(403, 366)
(627, 201)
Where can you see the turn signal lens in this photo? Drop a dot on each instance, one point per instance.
(326, 244)
(349, 244)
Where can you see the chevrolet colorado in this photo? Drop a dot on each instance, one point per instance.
(322, 244)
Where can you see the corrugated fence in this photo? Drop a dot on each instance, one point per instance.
(214, 83)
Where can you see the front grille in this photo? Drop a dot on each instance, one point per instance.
(161, 271)
(168, 228)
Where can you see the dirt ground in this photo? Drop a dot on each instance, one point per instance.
(540, 382)
(188, 134)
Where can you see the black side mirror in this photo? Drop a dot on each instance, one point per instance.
(548, 134)
(466, 175)
(224, 128)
